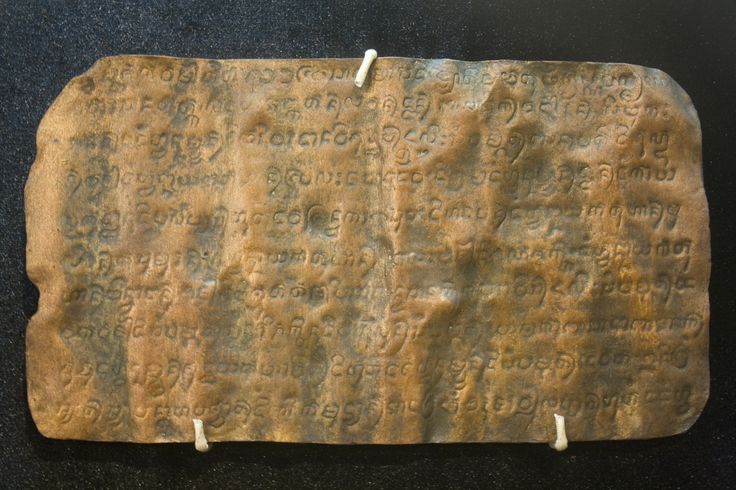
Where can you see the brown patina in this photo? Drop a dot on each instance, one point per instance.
(453, 252)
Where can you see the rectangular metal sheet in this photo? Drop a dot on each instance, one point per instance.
(453, 252)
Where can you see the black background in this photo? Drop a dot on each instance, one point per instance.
(43, 45)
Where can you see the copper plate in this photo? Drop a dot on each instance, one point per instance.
(453, 252)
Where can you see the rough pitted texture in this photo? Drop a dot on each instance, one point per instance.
(453, 252)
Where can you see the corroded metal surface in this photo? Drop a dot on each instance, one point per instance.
(453, 252)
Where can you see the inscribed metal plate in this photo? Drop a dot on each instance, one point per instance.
(453, 252)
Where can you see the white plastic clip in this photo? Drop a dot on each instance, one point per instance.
(200, 441)
(368, 59)
(560, 443)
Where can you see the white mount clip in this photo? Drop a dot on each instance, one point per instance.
(200, 441)
(368, 59)
(560, 443)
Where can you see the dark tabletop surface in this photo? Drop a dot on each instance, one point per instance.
(44, 44)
